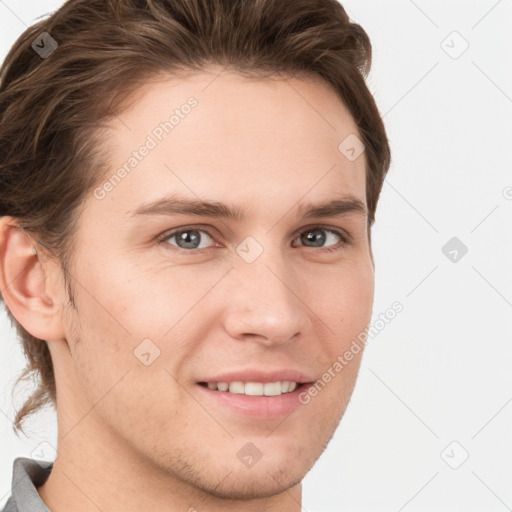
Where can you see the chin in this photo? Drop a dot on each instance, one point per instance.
(223, 477)
(250, 484)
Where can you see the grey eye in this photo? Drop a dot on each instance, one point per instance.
(316, 237)
(188, 238)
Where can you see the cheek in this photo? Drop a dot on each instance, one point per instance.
(349, 315)
(153, 302)
(128, 382)
(344, 302)
(126, 319)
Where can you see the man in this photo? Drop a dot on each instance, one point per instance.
(188, 188)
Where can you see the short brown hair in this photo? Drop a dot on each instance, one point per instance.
(51, 108)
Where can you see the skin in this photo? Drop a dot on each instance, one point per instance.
(135, 437)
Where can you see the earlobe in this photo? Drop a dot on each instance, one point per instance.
(26, 288)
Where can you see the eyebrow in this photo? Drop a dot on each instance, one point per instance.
(187, 206)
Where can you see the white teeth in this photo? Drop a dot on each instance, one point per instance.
(236, 387)
(272, 388)
(255, 388)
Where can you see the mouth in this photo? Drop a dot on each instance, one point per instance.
(257, 400)
(254, 388)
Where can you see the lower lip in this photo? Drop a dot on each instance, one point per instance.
(264, 407)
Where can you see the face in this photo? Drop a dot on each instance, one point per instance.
(171, 296)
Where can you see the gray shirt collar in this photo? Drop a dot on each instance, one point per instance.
(27, 474)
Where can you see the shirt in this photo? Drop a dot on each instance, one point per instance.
(27, 474)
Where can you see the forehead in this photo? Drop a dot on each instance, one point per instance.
(242, 136)
(303, 106)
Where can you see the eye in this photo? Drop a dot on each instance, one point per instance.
(318, 236)
(188, 238)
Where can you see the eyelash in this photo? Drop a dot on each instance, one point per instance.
(345, 238)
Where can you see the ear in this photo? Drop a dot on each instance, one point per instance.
(29, 283)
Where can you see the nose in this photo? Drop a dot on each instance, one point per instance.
(265, 303)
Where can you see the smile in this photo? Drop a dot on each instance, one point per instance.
(253, 388)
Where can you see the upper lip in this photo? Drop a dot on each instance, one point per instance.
(255, 375)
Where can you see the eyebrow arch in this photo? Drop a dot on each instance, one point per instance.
(187, 206)
(334, 208)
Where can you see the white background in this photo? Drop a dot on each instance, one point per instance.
(440, 371)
